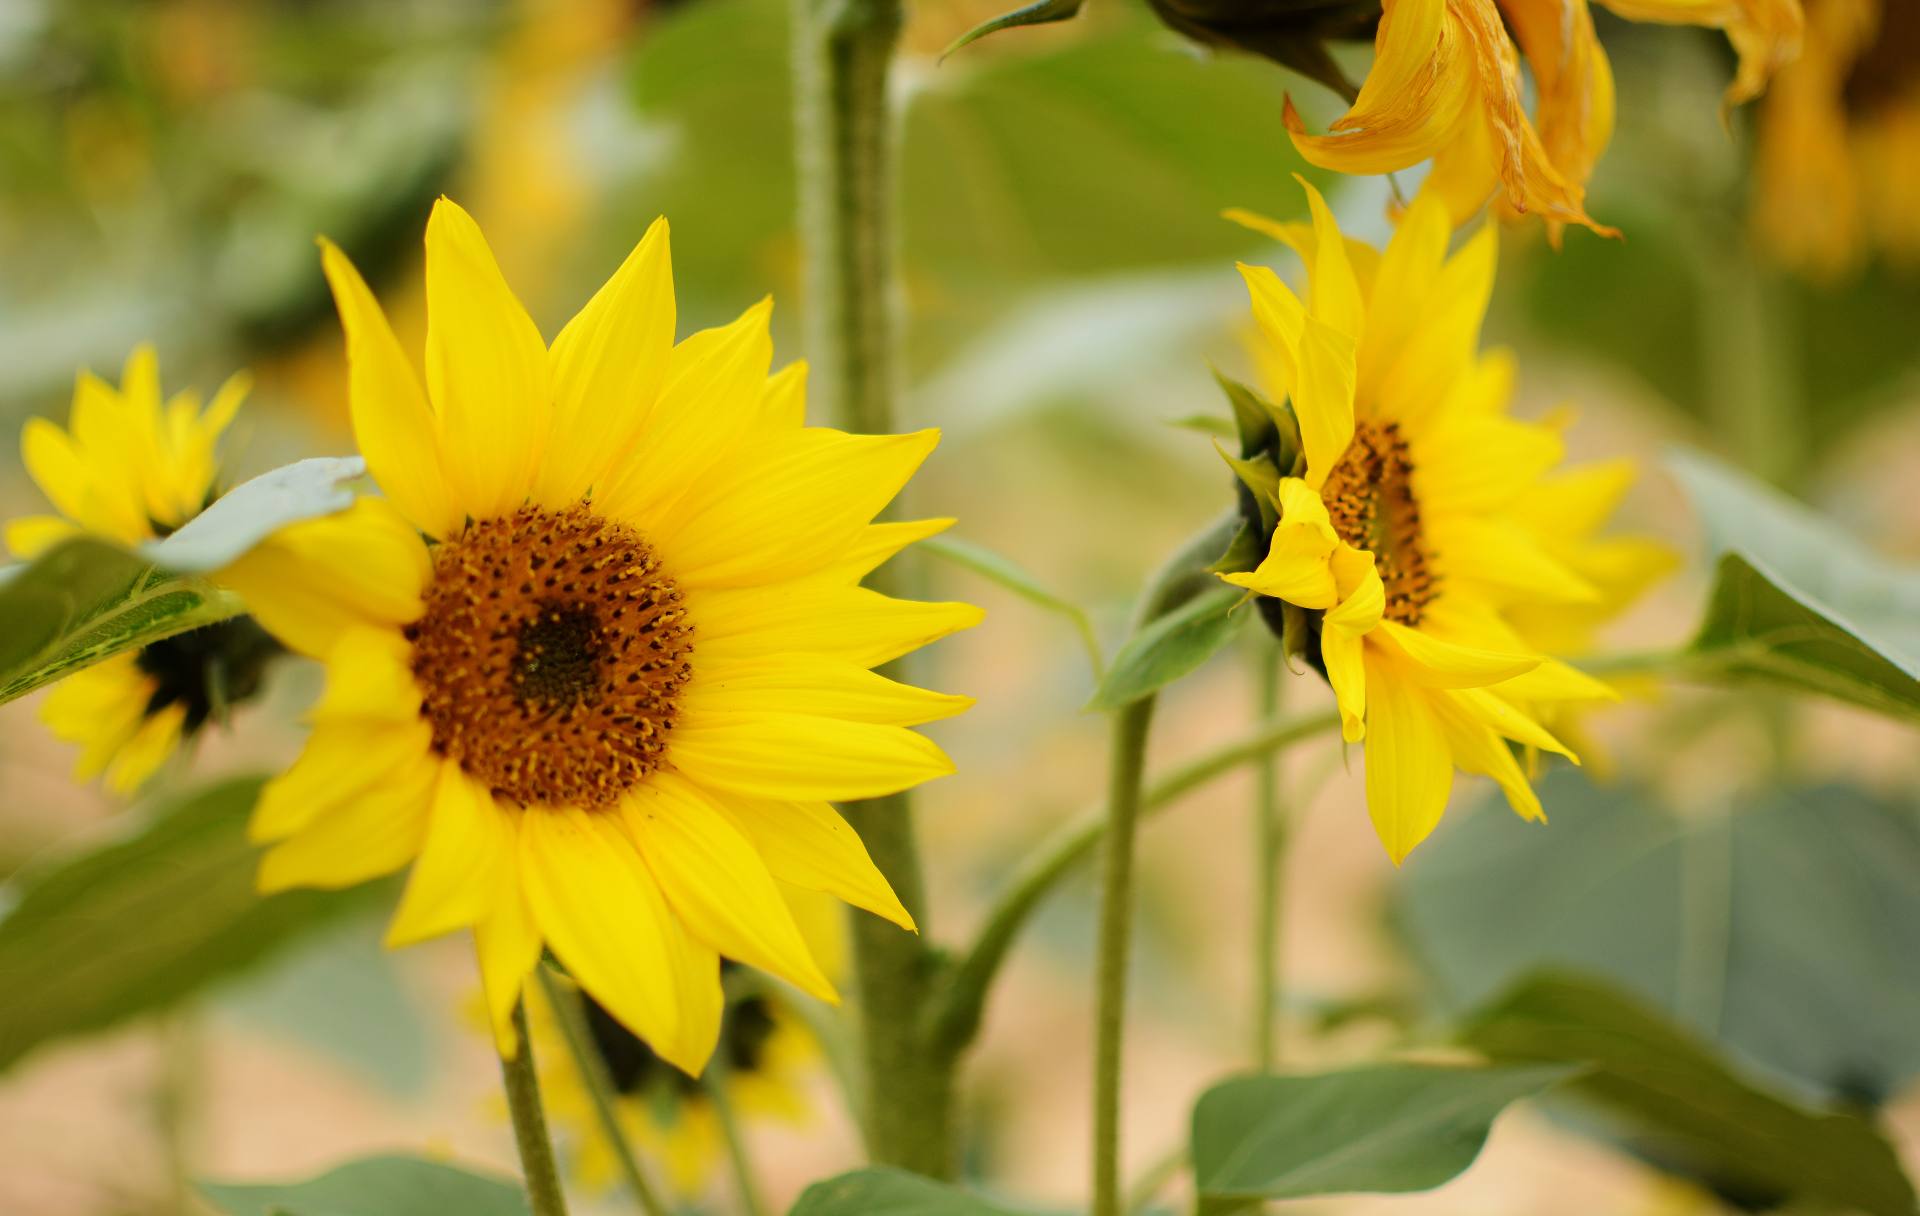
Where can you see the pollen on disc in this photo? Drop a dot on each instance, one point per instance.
(1370, 502)
(551, 656)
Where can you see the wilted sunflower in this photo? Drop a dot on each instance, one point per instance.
(132, 468)
(598, 661)
(1839, 141)
(770, 1061)
(1393, 490)
(1445, 86)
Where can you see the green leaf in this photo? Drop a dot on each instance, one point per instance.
(1757, 928)
(1381, 1128)
(1244, 552)
(136, 925)
(1260, 477)
(375, 1186)
(1262, 423)
(1169, 647)
(1041, 12)
(88, 599)
(1688, 1110)
(889, 1192)
(1799, 603)
(1206, 424)
(999, 569)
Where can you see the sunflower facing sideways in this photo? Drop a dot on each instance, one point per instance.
(1392, 493)
(599, 659)
(133, 468)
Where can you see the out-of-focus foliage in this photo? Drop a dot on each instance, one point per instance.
(890, 1192)
(375, 1186)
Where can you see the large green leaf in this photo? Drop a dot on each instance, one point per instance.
(1171, 646)
(1381, 1127)
(88, 599)
(140, 923)
(1799, 603)
(375, 1186)
(890, 1192)
(1758, 929)
(1682, 1107)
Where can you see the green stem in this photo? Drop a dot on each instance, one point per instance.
(1270, 843)
(843, 54)
(594, 1078)
(1124, 797)
(544, 1196)
(176, 1104)
(745, 1182)
(958, 1016)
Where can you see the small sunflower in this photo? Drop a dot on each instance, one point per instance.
(600, 658)
(1399, 517)
(133, 468)
(1838, 162)
(770, 1062)
(1445, 86)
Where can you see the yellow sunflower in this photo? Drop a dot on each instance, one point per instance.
(1403, 527)
(599, 659)
(771, 1061)
(1445, 86)
(1838, 162)
(132, 468)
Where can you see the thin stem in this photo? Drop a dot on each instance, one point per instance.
(544, 1196)
(592, 1070)
(1124, 797)
(1270, 841)
(1154, 1178)
(176, 1105)
(958, 1016)
(745, 1180)
(843, 54)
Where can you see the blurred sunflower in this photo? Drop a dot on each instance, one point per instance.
(1445, 86)
(1397, 519)
(132, 468)
(769, 1061)
(603, 702)
(1839, 141)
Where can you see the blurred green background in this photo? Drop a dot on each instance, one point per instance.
(1749, 864)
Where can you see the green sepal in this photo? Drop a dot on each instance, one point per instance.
(1295, 632)
(1041, 12)
(1260, 476)
(1245, 551)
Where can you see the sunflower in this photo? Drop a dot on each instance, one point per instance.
(1838, 161)
(599, 659)
(1445, 86)
(1399, 516)
(770, 1061)
(132, 468)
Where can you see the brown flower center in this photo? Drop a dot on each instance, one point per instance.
(1369, 497)
(551, 656)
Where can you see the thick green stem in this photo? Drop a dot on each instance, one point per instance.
(592, 1070)
(544, 1196)
(1270, 839)
(1127, 767)
(843, 51)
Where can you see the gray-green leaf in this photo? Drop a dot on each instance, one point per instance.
(1170, 646)
(134, 926)
(890, 1192)
(1687, 1109)
(375, 1186)
(1799, 603)
(1381, 1127)
(253, 510)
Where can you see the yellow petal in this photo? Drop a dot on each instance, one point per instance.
(373, 833)
(310, 582)
(717, 884)
(1421, 80)
(1281, 318)
(773, 755)
(507, 944)
(486, 370)
(809, 845)
(466, 860)
(1572, 79)
(392, 422)
(1501, 716)
(1409, 769)
(608, 367)
(807, 684)
(1334, 293)
(339, 763)
(1479, 464)
(31, 535)
(582, 874)
(1445, 344)
(789, 513)
(99, 707)
(1477, 749)
(141, 756)
(1296, 567)
(874, 545)
(369, 679)
(1323, 398)
(784, 404)
(1434, 662)
(1398, 304)
(1494, 554)
(1342, 630)
(851, 623)
(1765, 33)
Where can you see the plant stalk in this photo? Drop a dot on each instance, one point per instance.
(592, 1070)
(746, 1183)
(1269, 857)
(843, 53)
(544, 1196)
